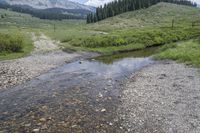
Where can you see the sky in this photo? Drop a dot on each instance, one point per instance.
(97, 3)
(197, 1)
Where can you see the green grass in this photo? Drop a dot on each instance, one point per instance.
(11, 42)
(159, 15)
(128, 31)
(133, 39)
(27, 47)
(188, 52)
(137, 29)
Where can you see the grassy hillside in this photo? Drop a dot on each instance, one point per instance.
(155, 16)
(140, 29)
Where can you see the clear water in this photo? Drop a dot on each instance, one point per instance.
(73, 94)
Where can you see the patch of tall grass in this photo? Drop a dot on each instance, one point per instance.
(11, 43)
(188, 52)
(145, 37)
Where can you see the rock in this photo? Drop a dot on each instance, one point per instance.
(44, 127)
(110, 124)
(103, 110)
(100, 95)
(39, 124)
(42, 119)
(73, 126)
(36, 130)
(27, 125)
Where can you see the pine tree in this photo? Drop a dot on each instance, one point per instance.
(121, 6)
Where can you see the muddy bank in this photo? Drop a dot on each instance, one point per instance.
(45, 56)
(164, 97)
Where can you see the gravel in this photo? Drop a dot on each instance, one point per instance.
(45, 56)
(164, 97)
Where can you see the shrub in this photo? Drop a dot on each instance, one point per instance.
(119, 42)
(11, 43)
(146, 37)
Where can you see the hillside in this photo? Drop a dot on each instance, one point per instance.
(158, 15)
(53, 10)
(45, 4)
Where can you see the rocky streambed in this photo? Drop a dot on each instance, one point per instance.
(162, 98)
(81, 96)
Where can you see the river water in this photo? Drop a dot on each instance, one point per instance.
(78, 97)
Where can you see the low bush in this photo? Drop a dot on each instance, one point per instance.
(147, 37)
(10, 43)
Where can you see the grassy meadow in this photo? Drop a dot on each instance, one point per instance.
(127, 31)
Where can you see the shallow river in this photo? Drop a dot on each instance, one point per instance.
(79, 97)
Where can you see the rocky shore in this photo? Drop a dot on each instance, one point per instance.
(45, 56)
(164, 97)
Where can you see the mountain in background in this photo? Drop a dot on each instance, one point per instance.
(45, 4)
(49, 9)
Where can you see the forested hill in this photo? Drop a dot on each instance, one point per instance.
(121, 6)
(50, 13)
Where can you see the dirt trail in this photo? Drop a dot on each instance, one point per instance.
(164, 97)
(45, 56)
(44, 44)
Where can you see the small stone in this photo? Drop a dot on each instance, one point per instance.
(5, 113)
(44, 107)
(110, 124)
(36, 130)
(109, 98)
(100, 95)
(27, 125)
(73, 126)
(49, 118)
(39, 124)
(103, 110)
(42, 119)
(44, 127)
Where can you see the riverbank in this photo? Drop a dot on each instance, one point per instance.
(45, 56)
(185, 51)
(163, 97)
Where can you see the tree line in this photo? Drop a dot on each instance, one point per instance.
(120, 6)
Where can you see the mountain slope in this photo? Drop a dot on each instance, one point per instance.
(48, 9)
(160, 14)
(44, 4)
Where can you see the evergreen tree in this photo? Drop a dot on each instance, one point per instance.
(120, 6)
